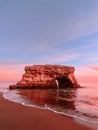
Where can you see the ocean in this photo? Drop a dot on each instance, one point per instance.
(81, 103)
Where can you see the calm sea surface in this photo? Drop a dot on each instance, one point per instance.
(79, 103)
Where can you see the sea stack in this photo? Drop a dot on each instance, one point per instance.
(47, 76)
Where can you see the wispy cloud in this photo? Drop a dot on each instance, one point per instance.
(57, 58)
(94, 67)
(93, 59)
(64, 58)
(87, 75)
(11, 73)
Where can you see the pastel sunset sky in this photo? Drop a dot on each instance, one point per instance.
(49, 32)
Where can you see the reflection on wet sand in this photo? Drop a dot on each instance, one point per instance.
(64, 99)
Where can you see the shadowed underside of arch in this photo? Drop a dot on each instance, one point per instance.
(64, 83)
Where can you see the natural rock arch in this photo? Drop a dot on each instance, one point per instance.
(47, 76)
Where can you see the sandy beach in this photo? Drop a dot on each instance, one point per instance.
(15, 116)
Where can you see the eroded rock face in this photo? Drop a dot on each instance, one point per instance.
(47, 76)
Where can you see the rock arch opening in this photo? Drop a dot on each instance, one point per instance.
(63, 83)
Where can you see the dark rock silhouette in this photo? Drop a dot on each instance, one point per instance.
(47, 76)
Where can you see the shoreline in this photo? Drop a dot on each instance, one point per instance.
(16, 116)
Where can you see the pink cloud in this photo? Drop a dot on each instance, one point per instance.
(11, 73)
(61, 58)
(93, 59)
(94, 68)
(87, 75)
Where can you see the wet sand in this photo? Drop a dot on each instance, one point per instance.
(15, 116)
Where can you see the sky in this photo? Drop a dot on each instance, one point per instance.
(61, 32)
